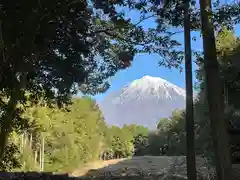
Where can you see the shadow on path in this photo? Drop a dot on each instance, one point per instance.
(148, 167)
(136, 168)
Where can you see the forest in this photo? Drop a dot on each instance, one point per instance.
(66, 139)
(52, 50)
(59, 140)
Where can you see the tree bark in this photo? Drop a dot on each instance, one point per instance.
(6, 123)
(190, 136)
(42, 154)
(7, 118)
(214, 90)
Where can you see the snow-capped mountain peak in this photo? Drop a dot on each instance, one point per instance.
(155, 83)
(143, 101)
(149, 87)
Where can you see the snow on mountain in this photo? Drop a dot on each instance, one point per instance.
(144, 101)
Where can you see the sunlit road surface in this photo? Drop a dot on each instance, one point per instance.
(151, 165)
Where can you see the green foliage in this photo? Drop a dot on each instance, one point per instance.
(121, 140)
(51, 49)
(11, 159)
(171, 131)
(228, 53)
(140, 143)
(53, 45)
(168, 139)
(71, 137)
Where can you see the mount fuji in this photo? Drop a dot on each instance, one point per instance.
(144, 101)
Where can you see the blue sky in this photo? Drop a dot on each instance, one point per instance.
(145, 64)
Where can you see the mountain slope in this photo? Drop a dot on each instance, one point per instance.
(144, 101)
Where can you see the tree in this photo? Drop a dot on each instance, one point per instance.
(214, 91)
(45, 54)
(71, 137)
(227, 53)
(190, 135)
(49, 49)
(191, 160)
(140, 143)
(172, 132)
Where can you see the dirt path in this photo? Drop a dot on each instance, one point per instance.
(136, 168)
(95, 166)
(154, 165)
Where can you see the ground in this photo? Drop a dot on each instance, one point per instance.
(135, 168)
(161, 166)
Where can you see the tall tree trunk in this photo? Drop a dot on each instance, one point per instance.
(7, 118)
(43, 154)
(214, 90)
(190, 137)
(6, 123)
